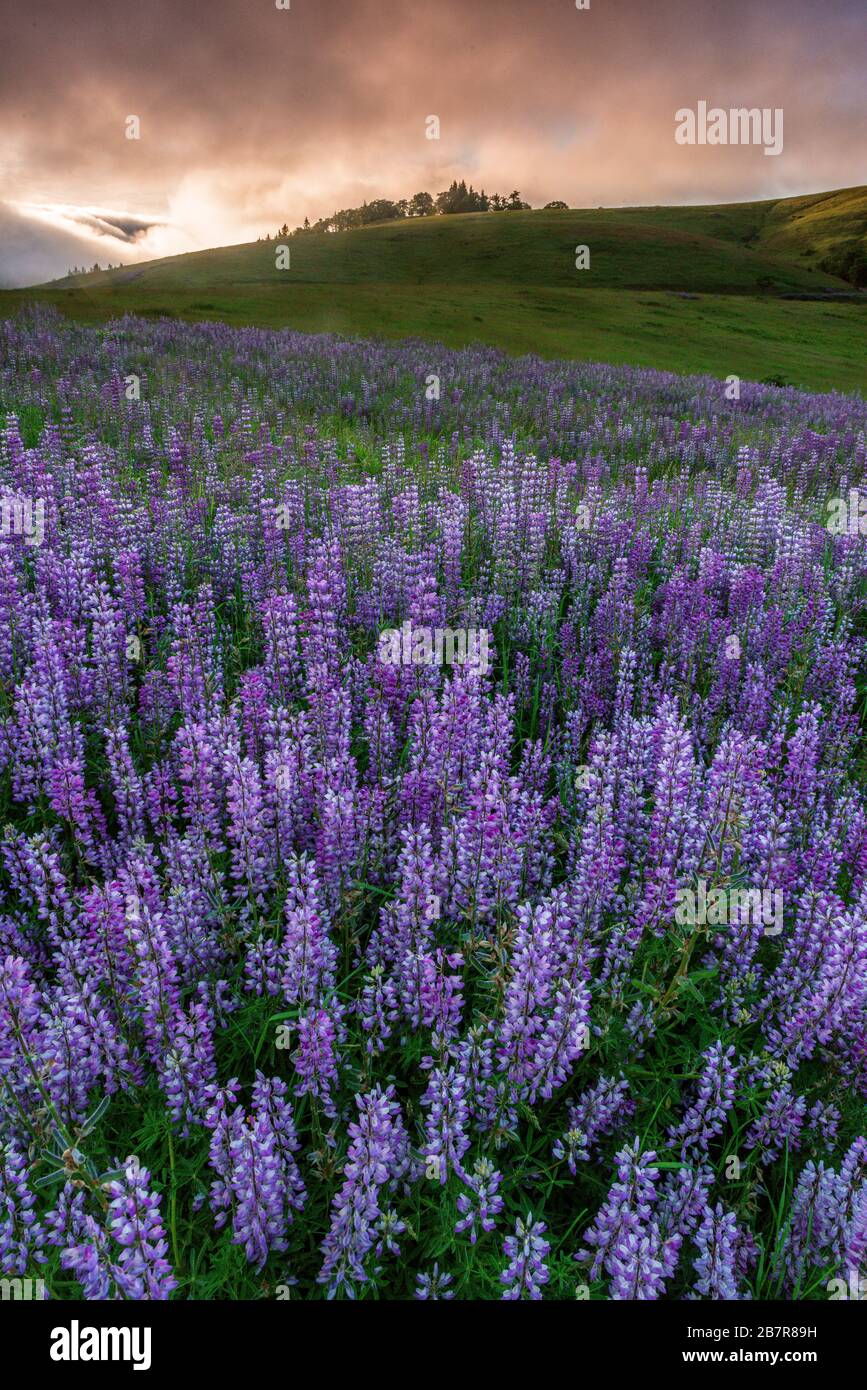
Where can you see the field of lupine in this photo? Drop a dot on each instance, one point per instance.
(324, 975)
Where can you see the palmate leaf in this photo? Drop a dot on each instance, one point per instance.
(58, 1175)
(94, 1117)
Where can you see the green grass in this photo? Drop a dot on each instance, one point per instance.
(509, 280)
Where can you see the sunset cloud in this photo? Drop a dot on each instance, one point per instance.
(252, 115)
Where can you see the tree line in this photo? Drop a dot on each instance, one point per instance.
(458, 197)
(92, 269)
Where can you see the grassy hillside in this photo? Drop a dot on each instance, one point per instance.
(801, 231)
(732, 249)
(814, 227)
(687, 288)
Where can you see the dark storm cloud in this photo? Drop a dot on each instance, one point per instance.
(250, 114)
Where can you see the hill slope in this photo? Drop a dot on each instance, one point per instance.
(510, 279)
(730, 249)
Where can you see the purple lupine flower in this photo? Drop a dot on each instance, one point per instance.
(108, 644)
(641, 1261)
(66, 1223)
(378, 1157)
(641, 1027)
(378, 1009)
(37, 874)
(779, 1125)
(326, 589)
(317, 1055)
(274, 1110)
(158, 991)
(434, 1285)
(249, 831)
(440, 992)
(474, 1057)
(77, 804)
(684, 1199)
(598, 1110)
(824, 1121)
(673, 840)
(90, 1261)
(279, 615)
(194, 667)
(547, 1004)
(813, 1222)
(705, 1118)
(716, 1266)
(307, 955)
(21, 1234)
(485, 847)
(626, 1210)
(406, 933)
(20, 1019)
(140, 1269)
(126, 786)
(446, 1140)
(188, 1068)
(75, 1045)
(200, 776)
(338, 839)
(526, 1251)
(485, 1205)
(249, 1184)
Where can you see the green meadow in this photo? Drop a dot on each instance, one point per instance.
(686, 289)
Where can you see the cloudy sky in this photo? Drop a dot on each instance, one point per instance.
(251, 115)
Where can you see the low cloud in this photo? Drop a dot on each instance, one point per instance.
(121, 226)
(33, 251)
(44, 241)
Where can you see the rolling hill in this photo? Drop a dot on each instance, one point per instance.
(734, 288)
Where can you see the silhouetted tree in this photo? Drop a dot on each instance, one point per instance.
(459, 198)
(421, 205)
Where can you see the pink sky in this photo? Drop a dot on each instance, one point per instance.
(251, 115)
